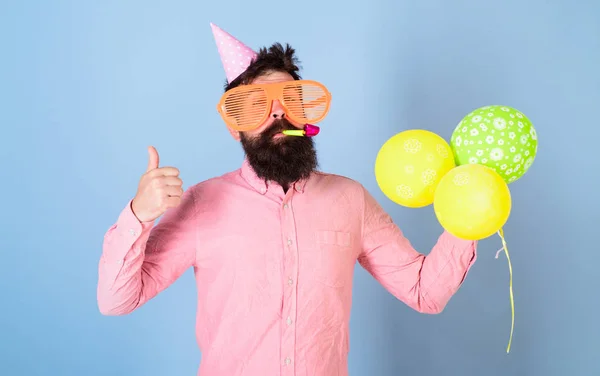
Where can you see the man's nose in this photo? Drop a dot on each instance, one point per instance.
(277, 111)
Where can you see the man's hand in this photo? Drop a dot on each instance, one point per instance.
(159, 189)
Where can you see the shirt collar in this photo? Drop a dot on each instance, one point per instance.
(259, 184)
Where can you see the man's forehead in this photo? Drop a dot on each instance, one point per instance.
(272, 77)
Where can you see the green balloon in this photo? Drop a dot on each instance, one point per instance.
(499, 137)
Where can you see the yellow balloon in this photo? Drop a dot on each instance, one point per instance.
(410, 165)
(472, 202)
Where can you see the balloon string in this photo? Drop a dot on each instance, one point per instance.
(512, 299)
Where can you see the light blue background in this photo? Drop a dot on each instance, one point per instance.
(85, 86)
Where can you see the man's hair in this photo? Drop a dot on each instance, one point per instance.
(275, 58)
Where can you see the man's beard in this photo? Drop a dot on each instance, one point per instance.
(284, 160)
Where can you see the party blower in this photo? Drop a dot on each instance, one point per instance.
(309, 130)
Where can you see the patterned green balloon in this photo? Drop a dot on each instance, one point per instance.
(499, 137)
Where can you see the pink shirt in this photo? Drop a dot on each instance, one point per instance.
(273, 270)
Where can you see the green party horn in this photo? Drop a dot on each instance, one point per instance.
(308, 131)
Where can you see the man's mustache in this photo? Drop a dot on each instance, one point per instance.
(279, 126)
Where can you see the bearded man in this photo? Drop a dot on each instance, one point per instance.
(274, 243)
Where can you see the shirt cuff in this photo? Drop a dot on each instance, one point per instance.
(128, 220)
(127, 231)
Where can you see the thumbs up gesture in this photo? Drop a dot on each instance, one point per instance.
(160, 188)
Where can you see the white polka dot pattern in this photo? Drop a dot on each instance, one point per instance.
(499, 137)
(235, 55)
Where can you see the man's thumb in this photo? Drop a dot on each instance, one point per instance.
(152, 158)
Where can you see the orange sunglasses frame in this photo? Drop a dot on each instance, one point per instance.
(273, 91)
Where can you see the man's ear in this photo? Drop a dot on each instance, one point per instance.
(235, 134)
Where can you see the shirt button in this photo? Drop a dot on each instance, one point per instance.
(289, 321)
(289, 241)
(285, 206)
(132, 232)
(288, 360)
(263, 190)
(290, 281)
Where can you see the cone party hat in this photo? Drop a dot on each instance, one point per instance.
(235, 55)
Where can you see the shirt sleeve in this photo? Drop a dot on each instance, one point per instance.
(424, 283)
(139, 260)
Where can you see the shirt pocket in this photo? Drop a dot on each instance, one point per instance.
(334, 258)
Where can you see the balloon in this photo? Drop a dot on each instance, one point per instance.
(472, 202)
(409, 166)
(499, 137)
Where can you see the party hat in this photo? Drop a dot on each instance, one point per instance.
(235, 55)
